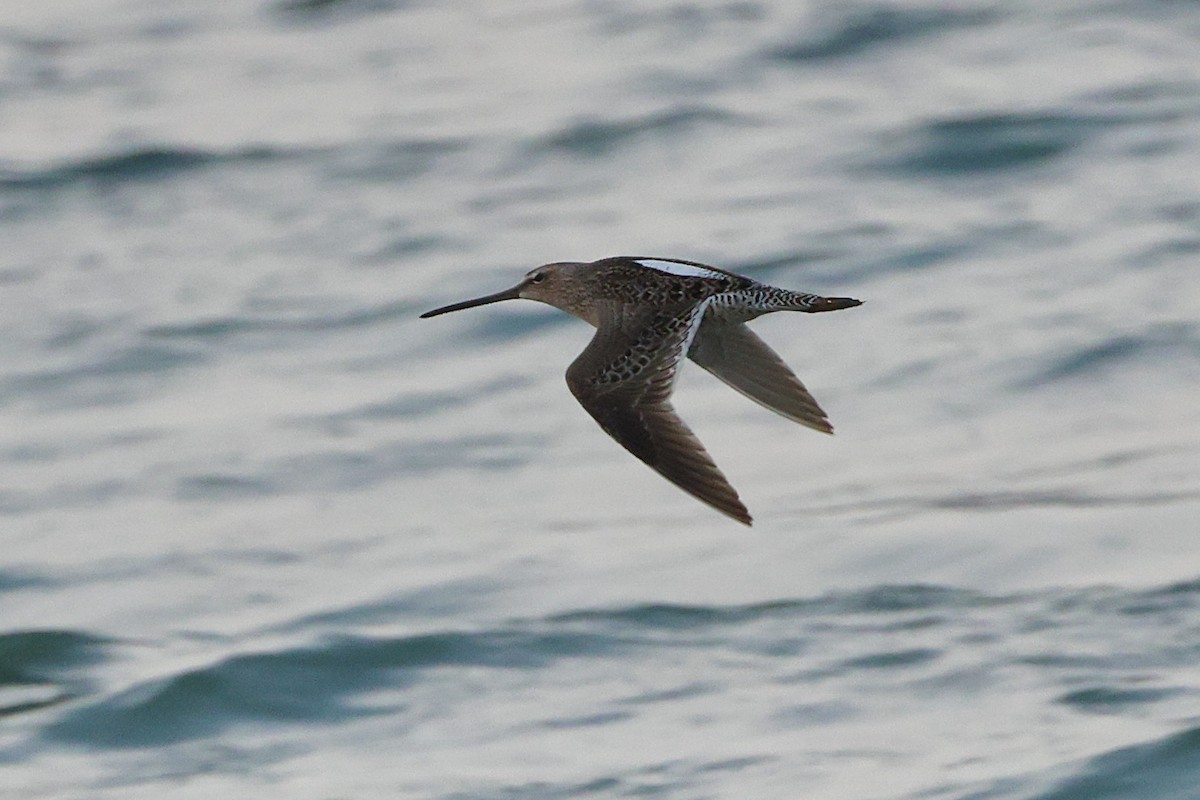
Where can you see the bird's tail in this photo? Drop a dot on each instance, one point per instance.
(813, 303)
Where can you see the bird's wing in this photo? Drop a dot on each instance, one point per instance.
(733, 353)
(624, 378)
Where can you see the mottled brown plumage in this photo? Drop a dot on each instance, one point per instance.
(648, 314)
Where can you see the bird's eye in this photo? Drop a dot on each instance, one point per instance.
(537, 277)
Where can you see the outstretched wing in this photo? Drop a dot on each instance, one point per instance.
(624, 378)
(736, 355)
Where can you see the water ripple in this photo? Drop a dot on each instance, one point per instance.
(218, 329)
(968, 144)
(335, 470)
(1179, 343)
(309, 684)
(876, 600)
(142, 164)
(323, 11)
(866, 27)
(1165, 769)
(42, 668)
(100, 380)
(599, 138)
(1110, 700)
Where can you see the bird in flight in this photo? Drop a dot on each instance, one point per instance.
(648, 314)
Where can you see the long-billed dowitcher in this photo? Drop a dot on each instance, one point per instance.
(650, 312)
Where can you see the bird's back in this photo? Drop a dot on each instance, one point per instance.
(661, 283)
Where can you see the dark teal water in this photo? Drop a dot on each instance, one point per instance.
(265, 533)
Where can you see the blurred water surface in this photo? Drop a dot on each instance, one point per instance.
(265, 533)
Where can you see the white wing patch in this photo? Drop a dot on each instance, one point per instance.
(675, 268)
(693, 329)
(694, 323)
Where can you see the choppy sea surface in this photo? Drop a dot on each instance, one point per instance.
(264, 533)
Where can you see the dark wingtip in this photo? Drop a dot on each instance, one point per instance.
(737, 511)
(732, 508)
(741, 515)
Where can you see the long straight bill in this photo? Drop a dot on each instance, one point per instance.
(507, 294)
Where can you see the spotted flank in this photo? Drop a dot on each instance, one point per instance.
(679, 268)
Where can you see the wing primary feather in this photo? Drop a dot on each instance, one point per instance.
(636, 410)
(736, 355)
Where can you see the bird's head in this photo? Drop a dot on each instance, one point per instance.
(555, 284)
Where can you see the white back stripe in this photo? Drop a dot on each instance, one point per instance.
(673, 268)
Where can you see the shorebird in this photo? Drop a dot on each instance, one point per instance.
(648, 314)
